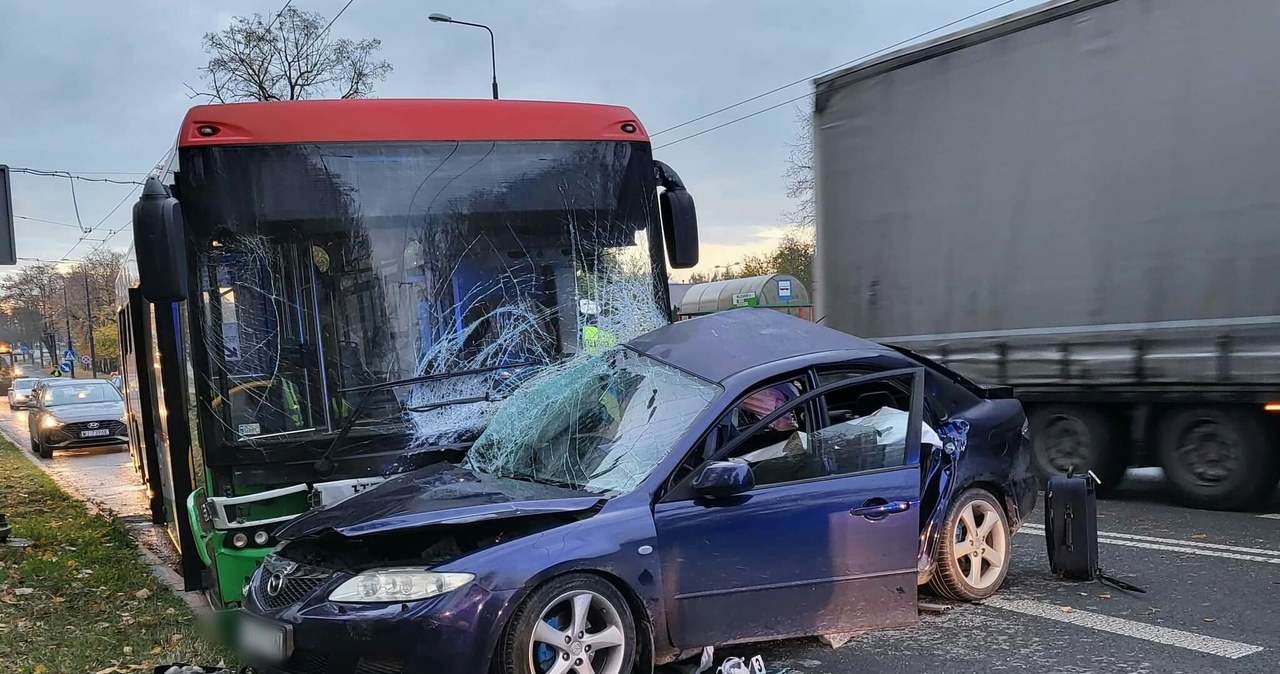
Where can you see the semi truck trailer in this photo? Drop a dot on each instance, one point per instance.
(1080, 201)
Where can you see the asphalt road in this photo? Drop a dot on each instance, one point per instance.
(1212, 580)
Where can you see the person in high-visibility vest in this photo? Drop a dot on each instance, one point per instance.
(595, 340)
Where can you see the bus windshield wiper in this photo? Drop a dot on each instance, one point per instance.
(325, 465)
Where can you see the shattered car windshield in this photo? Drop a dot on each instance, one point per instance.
(332, 267)
(599, 424)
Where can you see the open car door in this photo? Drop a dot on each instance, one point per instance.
(827, 539)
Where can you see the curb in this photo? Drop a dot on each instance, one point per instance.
(163, 573)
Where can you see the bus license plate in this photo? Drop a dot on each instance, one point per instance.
(95, 434)
(263, 640)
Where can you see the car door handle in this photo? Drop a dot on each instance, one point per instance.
(878, 508)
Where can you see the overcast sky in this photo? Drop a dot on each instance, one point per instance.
(93, 86)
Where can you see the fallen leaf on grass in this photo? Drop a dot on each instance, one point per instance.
(175, 638)
(128, 650)
(143, 593)
(23, 591)
(41, 669)
(155, 651)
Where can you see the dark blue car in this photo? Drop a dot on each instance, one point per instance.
(736, 477)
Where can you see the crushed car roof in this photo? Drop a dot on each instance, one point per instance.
(718, 346)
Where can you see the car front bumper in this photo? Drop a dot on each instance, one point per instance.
(62, 440)
(454, 632)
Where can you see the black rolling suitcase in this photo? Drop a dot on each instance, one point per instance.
(1071, 526)
(1071, 529)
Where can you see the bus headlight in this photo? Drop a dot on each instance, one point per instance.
(398, 584)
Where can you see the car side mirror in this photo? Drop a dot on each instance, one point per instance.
(720, 479)
(159, 241)
(679, 219)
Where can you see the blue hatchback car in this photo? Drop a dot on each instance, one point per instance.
(740, 476)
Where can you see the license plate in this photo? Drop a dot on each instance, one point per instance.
(95, 434)
(263, 640)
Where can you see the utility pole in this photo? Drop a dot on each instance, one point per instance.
(66, 314)
(88, 305)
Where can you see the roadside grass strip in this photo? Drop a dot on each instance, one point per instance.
(80, 598)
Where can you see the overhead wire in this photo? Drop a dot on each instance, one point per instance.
(73, 176)
(804, 80)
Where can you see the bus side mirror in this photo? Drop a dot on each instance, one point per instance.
(159, 242)
(679, 219)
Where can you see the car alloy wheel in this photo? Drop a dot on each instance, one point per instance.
(576, 624)
(973, 557)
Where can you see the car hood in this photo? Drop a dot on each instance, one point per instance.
(88, 411)
(439, 494)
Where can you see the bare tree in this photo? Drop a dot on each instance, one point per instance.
(289, 56)
(799, 172)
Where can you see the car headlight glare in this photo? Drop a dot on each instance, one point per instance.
(50, 422)
(398, 584)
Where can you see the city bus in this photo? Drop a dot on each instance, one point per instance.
(325, 293)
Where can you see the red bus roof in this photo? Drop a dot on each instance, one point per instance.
(381, 119)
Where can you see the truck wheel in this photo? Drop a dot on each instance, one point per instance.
(1217, 458)
(1079, 437)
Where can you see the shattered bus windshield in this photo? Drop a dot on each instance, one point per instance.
(331, 267)
(599, 424)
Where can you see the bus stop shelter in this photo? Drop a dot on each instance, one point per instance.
(781, 292)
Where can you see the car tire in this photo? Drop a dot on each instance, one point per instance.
(1218, 458)
(1078, 437)
(46, 452)
(559, 605)
(971, 565)
(35, 445)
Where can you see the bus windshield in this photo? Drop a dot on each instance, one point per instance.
(330, 267)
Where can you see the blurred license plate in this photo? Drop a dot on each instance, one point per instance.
(264, 640)
(95, 434)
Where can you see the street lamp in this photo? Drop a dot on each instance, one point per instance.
(493, 52)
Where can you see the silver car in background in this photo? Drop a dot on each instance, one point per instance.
(20, 392)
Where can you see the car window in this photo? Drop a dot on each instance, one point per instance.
(863, 428)
(76, 394)
(939, 405)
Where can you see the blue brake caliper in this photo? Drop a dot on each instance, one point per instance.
(544, 653)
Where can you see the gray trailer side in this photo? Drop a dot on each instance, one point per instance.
(1080, 201)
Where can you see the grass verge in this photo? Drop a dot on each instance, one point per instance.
(80, 598)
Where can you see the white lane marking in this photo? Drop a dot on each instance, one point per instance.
(1184, 550)
(1173, 541)
(1271, 516)
(1129, 628)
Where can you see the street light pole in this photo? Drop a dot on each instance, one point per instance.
(66, 314)
(493, 51)
(88, 306)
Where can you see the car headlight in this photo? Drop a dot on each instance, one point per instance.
(398, 584)
(48, 421)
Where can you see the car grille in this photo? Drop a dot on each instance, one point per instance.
(113, 427)
(295, 582)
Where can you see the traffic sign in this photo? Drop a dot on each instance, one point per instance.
(65, 367)
(84, 359)
(68, 354)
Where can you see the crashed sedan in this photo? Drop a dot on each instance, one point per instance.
(740, 476)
